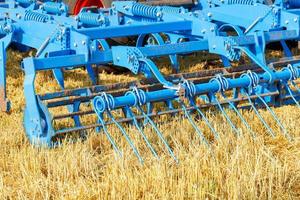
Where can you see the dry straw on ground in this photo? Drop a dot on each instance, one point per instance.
(236, 167)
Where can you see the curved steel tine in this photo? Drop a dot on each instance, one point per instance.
(291, 94)
(109, 137)
(216, 134)
(259, 115)
(142, 133)
(159, 134)
(226, 116)
(199, 132)
(286, 134)
(149, 111)
(239, 115)
(126, 136)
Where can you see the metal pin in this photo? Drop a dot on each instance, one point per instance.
(159, 134)
(199, 132)
(259, 115)
(142, 133)
(226, 116)
(275, 117)
(109, 137)
(239, 115)
(126, 136)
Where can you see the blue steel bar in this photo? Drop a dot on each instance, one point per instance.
(203, 88)
(126, 30)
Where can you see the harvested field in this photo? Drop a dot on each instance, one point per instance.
(234, 168)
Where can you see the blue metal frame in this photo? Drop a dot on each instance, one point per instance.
(66, 42)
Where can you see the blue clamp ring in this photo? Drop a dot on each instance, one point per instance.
(139, 96)
(293, 72)
(222, 82)
(190, 88)
(254, 79)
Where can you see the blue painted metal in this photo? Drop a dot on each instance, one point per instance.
(64, 42)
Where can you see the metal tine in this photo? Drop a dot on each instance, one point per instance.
(259, 115)
(287, 135)
(216, 134)
(189, 86)
(239, 115)
(142, 133)
(291, 94)
(199, 132)
(109, 137)
(159, 134)
(225, 115)
(126, 136)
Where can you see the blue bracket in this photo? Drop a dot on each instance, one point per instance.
(127, 57)
(4, 43)
(133, 59)
(37, 119)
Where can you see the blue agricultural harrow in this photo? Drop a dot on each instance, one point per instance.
(234, 30)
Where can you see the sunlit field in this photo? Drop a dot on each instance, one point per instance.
(233, 167)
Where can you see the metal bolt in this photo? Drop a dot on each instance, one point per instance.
(295, 19)
(75, 44)
(101, 20)
(7, 29)
(287, 22)
(181, 40)
(83, 42)
(212, 29)
(203, 30)
(227, 47)
(209, 14)
(196, 14)
(126, 8)
(159, 14)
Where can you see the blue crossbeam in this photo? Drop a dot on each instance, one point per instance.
(203, 88)
(130, 30)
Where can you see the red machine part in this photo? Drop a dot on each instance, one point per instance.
(75, 7)
(87, 3)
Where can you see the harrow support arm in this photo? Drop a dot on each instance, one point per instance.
(4, 43)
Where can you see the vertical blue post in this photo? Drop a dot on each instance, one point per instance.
(4, 104)
(4, 42)
(37, 121)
